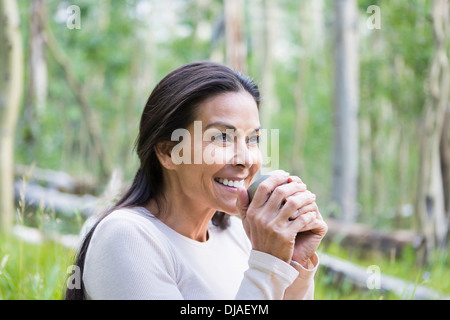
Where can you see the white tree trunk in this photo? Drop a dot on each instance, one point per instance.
(430, 207)
(11, 82)
(38, 64)
(236, 49)
(345, 153)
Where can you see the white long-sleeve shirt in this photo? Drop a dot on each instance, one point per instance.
(133, 255)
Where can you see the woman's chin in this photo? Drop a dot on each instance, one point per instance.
(229, 208)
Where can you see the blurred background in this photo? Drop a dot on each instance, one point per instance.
(359, 91)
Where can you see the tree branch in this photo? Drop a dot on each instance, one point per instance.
(87, 110)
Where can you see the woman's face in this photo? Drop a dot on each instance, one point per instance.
(224, 151)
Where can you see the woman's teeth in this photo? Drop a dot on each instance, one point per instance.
(230, 183)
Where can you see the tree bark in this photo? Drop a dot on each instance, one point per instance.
(11, 85)
(345, 151)
(236, 49)
(445, 160)
(36, 89)
(433, 221)
(38, 64)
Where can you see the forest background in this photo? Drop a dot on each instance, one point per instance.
(359, 91)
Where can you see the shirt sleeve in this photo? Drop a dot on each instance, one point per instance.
(303, 286)
(125, 262)
(267, 278)
(270, 278)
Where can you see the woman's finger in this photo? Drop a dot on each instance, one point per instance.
(302, 222)
(309, 222)
(282, 193)
(294, 203)
(307, 208)
(266, 188)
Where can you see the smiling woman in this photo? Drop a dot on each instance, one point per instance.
(173, 234)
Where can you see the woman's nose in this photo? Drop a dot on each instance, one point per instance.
(242, 154)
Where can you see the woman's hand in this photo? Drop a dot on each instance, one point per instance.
(281, 209)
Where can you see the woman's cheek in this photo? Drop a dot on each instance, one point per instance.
(214, 154)
(256, 158)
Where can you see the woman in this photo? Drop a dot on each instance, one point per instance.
(175, 233)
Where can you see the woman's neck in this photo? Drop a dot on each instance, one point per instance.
(183, 215)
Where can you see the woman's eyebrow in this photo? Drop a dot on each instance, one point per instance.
(226, 125)
(220, 123)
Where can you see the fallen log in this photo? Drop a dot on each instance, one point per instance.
(29, 194)
(366, 240)
(59, 180)
(363, 278)
(49, 199)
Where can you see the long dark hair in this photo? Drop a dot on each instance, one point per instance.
(172, 105)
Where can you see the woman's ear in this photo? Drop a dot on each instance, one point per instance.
(163, 151)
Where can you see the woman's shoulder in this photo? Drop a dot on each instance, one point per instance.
(131, 215)
(128, 223)
(125, 250)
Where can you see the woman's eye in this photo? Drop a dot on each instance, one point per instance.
(253, 140)
(222, 137)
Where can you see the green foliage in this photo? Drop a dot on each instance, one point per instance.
(32, 272)
(394, 67)
(120, 52)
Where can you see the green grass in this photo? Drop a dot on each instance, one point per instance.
(39, 271)
(330, 287)
(32, 271)
(435, 275)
